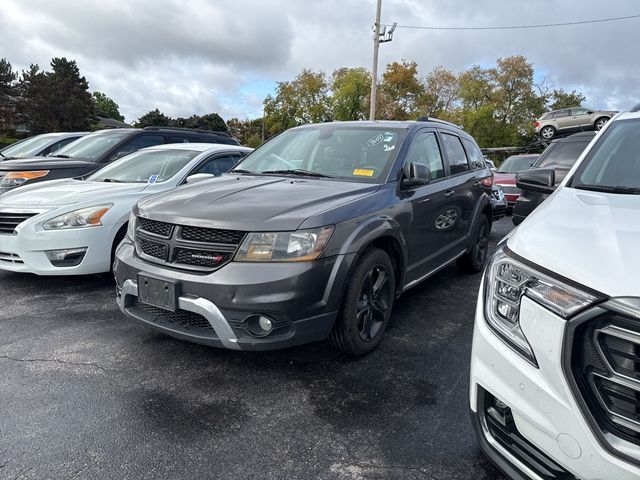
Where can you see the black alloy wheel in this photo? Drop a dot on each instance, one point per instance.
(475, 259)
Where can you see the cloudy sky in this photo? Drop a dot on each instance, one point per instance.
(201, 56)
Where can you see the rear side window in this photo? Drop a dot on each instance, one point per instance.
(475, 155)
(137, 143)
(218, 165)
(561, 114)
(455, 154)
(424, 149)
(561, 154)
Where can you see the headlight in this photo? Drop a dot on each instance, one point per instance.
(83, 218)
(131, 227)
(506, 281)
(300, 246)
(15, 179)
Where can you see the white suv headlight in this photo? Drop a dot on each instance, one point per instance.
(82, 218)
(506, 281)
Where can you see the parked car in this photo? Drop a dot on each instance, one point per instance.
(96, 150)
(72, 226)
(39, 145)
(313, 235)
(571, 120)
(498, 202)
(560, 155)
(505, 176)
(555, 366)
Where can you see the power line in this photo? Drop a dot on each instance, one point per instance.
(520, 27)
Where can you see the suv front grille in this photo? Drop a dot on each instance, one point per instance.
(606, 367)
(183, 318)
(186, 247)
(10, 220)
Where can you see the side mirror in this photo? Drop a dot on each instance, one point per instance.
(537, 180)
(199, 177)
(590, 112)
(416, 174)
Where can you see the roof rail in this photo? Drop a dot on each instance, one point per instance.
(184, 129)
(426, 118)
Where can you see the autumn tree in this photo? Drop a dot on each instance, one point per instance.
(303, 100)
(559, 99)
(441, 93)
(400, 92)
(350, 90)
(248, 132)
(104, 106)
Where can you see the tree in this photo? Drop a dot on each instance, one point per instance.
(34, 101)
(210, 121)
(7, 96)
(70, 100)
(248, 132)
(154, 118)
(350, 89)
(303, 100)
(7, 77)
(105, 107)
(400, 92)
(560, 99)
(441, 93)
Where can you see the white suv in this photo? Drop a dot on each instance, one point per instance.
(555, 369)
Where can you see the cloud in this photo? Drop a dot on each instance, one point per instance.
(204, 55)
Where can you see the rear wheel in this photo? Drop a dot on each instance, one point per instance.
(473, 262)
(116, 241)
(601, 122)
(367, 304)
(548, 132)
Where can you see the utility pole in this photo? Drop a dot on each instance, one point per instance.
(374, 69)
(379, 36)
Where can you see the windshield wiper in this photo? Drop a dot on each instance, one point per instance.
(297, 171)
(240, 171)
(60, 155)
(608, 188)
(112, 180)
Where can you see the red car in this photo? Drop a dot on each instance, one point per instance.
(506, 176)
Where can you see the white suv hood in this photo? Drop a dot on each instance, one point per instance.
(591, 238)
(56, 193)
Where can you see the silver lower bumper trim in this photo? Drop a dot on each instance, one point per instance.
(200, 306)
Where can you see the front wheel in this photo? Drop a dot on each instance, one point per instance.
(548, 132)
(367, 304)
(601, 122)
(473, 262)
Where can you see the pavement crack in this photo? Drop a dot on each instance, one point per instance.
(53, 360)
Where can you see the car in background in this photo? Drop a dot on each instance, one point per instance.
(571, 120)
(97, 149)
(505, 176)
(560, 155)
(555, 363)
(312, 236)
(72, 226)
(39, 145)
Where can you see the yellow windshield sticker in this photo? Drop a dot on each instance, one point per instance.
(363, 172)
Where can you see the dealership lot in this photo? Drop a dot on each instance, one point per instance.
(87, 393)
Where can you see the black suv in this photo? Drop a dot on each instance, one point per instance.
(561, 155)
(313, 235)
(96, 150)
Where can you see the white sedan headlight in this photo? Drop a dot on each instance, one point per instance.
(506, 281)
(299, 246)
(82, 218)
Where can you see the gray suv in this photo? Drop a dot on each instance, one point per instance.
(571, 120)
(313, 235)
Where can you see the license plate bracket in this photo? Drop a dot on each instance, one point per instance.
(158, 292)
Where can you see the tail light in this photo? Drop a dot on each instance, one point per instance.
(536, 124)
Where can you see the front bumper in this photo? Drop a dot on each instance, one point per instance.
(544, 410)
(24, 252)
(301, 298)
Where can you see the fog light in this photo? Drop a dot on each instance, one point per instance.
(69, 257)
(265, 324)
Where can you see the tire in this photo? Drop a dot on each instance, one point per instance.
(116, 241)
(547, 132)
(474, 261)
(367, 304)
(599, 123)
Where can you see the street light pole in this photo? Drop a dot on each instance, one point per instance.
(374, 69)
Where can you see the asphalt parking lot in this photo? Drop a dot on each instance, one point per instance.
(87, 394)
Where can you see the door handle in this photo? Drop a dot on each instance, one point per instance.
(449, 193)
(477, 184)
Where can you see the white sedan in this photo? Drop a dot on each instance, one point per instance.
(72, 226)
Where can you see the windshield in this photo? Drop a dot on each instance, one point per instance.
(361, 154)
(516, 164)
(561, 154)
(27, 148)
(91, 146)
(613, 164)
(145, 166)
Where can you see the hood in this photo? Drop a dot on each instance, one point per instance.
(252, 203)
(591, 238)
(42, 163)
(56, 193)
(507, 178)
